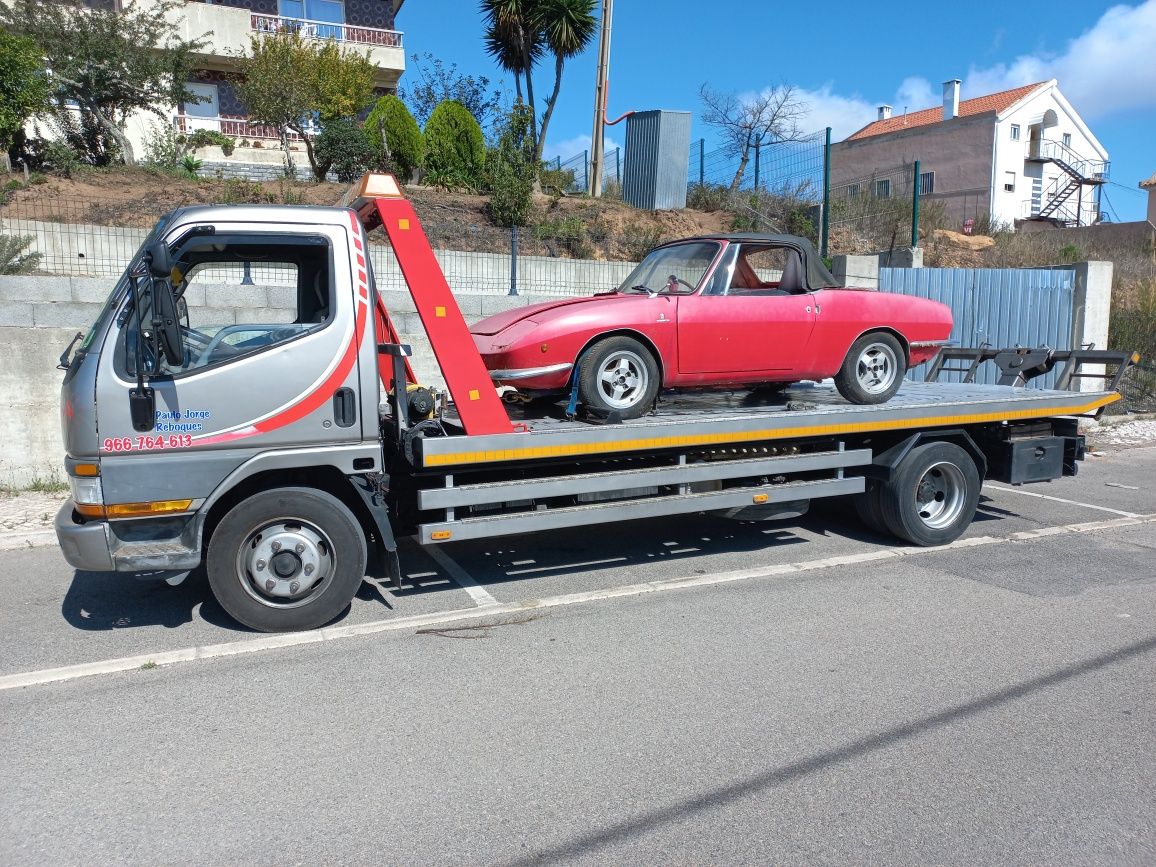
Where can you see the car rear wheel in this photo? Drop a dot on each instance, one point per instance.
(873, 369)
(618, 374)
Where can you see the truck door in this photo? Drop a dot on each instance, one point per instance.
(272, 326)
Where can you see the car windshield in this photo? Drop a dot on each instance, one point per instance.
(675, 270)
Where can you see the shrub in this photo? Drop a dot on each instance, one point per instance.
(638, 240)
(455, 149)
(13, 256)
(510, 171)
(204, 137)
(567, 232)
(345, 148)
(190, 165)
(61, 159)
(402, 146)
(163, 147)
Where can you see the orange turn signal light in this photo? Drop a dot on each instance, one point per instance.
(760, 498)
(141, 510)
(86, 470)
(90, 510)
(440, 535)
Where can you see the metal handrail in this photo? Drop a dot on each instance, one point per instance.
(341, 32)
(1050, 149)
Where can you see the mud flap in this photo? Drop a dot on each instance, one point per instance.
(371, 495)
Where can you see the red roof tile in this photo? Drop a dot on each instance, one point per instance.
(996, 102)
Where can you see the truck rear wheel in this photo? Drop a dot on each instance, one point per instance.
(931, 498)
(286, 559)
(869, 509)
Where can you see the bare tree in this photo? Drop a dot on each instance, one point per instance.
(747, 122)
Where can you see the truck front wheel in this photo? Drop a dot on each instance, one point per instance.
(286, 559)
(931, 498)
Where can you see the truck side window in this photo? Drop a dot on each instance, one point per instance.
(242, 297)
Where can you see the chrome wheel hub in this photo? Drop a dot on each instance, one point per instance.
(284, 563)
(623, 379)
(939, 496)
(876, 368)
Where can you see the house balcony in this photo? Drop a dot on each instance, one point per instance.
(230, 29)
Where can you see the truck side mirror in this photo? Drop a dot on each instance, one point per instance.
(160, 263)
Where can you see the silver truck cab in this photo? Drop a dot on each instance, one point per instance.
(274, 383)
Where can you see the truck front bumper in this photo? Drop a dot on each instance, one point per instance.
(85, 546)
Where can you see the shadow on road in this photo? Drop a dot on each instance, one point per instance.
(721, 797)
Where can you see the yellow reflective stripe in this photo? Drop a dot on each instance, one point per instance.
(667, 442)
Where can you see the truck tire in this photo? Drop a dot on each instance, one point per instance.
(931, 497)
(873, 369)
(286, 559)
(618, 374)
(870, 510)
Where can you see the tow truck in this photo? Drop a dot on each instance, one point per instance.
(287, 450)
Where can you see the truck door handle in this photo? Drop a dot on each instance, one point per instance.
(344, 407)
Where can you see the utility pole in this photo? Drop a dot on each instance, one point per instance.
(594, 187)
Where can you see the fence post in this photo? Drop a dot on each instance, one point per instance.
(618, 165)
(826, 195)
(701, 161)
(756, 166)
(915, 210)
(513, 260)
(586, 170)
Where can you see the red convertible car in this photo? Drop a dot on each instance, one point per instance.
(722, 310)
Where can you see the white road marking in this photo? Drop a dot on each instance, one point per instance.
(1060, 500)
(18, 539)
(335, 633)
(478, 593)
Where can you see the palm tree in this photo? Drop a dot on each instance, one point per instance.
(515, 43)
(567, 27)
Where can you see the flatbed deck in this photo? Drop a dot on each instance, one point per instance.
(717, 418)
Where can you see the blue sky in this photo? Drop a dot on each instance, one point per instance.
(846, 58)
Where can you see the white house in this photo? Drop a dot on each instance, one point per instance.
(1020, 154)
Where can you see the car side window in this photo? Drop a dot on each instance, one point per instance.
(240, 297)
(767, 270)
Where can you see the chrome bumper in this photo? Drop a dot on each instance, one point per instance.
(529, 372)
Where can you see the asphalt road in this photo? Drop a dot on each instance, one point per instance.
(837, 701)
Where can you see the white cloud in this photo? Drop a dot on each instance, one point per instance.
(1108, 68)
(573, 147)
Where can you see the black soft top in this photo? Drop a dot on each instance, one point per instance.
(815, 274)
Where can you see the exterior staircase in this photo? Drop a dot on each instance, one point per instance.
(1062, 199)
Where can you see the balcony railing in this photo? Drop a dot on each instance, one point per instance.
(234, 127)
(372, 36)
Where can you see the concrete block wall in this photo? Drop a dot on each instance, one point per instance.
(40, 315)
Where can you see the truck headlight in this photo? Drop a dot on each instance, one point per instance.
(87, 496)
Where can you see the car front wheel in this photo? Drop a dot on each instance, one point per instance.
(873, 369)
(620, 375)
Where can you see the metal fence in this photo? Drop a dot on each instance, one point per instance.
(1000, 307)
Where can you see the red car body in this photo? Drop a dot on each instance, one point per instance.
(702, 336)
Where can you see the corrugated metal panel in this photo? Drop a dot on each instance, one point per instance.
(1002, 307)
(656, 159)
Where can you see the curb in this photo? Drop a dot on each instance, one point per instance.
(19, 539)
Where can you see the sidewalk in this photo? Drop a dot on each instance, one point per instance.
(26, 519)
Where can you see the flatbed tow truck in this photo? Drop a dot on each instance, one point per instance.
(263, 451)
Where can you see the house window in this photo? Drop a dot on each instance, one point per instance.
(325, 16)
(1067, 139)
(1015, 132)
(883, 188)
(1009, 182)
(926, 182)
(852, 191)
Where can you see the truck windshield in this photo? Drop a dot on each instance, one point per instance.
(675, 270)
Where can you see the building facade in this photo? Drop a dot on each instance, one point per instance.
(1020, 154)
(227, 27)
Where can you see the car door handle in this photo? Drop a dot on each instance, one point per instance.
(344, 407)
